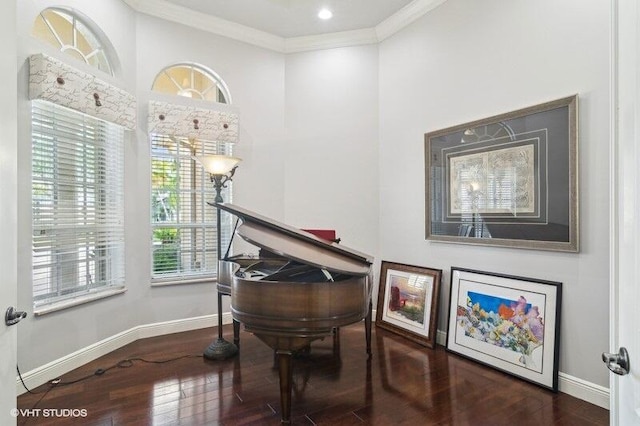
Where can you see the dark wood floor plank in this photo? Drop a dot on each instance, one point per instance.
(403, 383)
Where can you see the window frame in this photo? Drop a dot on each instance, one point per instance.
(90, 46)
(200, 192)
(204, 189)
(188, 89)
(80, 28)
(77, 167)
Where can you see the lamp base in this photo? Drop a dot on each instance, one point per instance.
(220, 349)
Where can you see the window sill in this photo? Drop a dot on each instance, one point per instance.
(65, 304)
(178, 281)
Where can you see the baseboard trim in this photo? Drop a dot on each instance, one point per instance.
(41, 375)
(578, 388)
(581, 389)
(568, 384)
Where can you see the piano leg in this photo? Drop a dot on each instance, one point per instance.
(286, 383)
(367, 327)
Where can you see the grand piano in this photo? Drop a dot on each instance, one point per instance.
(300, 288)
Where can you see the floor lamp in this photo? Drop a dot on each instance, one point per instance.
(221, 168)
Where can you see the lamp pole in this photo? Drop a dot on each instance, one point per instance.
(221, 170)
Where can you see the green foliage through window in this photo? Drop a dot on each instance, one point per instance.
(165, 250)
(184, 230)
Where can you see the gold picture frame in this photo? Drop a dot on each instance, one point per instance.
(510, 180)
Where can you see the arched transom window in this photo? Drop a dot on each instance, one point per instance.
(184, 233)
(77, 176)
(72, 36)
(192, 81)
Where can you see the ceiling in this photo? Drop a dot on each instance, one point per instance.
(296, 18)
(292, 25)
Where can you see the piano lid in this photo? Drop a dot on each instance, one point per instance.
(296, 244)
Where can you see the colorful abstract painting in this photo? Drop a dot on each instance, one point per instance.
(507, 322)
(511, 324)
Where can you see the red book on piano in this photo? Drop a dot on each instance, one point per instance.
(325, 234)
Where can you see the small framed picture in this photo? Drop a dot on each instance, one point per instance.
(506, 322)
(408, 301)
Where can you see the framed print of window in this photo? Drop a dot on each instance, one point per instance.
(510, 180)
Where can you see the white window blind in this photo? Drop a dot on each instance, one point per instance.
(78, 204)
(184, 225)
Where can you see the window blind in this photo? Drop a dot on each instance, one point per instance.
(77, 204)
(184, 242)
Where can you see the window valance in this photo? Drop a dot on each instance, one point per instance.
(192, 122)
(55, 81)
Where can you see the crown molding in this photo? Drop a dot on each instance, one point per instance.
(330, 40)
(182, 15)
(404, 17)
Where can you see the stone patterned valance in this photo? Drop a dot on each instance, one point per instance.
(55, 81)
(192, 122)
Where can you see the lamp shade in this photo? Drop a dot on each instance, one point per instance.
(217, 164)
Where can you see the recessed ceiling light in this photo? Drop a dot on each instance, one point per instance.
(325, 14)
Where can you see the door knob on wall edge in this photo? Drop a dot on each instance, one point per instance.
(12, 316)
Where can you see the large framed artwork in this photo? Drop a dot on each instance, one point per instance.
(408, 301)
(506, 322)
(509, 180)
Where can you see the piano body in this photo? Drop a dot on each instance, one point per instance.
(298, 290)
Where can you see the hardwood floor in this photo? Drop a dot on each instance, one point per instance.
(402, 384)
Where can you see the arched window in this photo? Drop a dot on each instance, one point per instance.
(77, 190)
(184, 240)
(192, 81)
(71, 35)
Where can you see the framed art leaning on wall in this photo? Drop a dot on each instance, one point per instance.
(506, 322)
(509, 180)
(408, 301)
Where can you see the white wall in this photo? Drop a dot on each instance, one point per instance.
(468, 60)
(331, 178)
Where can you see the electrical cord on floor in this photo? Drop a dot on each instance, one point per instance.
(52, 384)
(125, 363)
